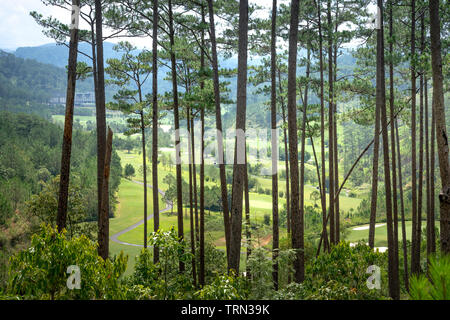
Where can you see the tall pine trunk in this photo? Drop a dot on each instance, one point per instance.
(223, 178)
(392, 124)
(432, 180)
(394, 288)
(201, 277)
(155, 127)
(191, 202)
(274, 154)
(101, 129)
(144, 167)
(322, 133)
(441, 131)
(68, 123)
(331, 180)
(402, 210)
(103, 228)
(177, 132)
(297, 235)
(248, 232)
(240, 164)
(335, 140)
(286, 157)
(415, 264)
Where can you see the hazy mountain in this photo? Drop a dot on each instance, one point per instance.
(58, 55)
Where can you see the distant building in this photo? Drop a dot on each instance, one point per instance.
(81, 98)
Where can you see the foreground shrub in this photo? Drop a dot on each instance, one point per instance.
(339, 275)
(345, 268)
(40, 272)
(223, 287)
(437, 286)
(162, 281)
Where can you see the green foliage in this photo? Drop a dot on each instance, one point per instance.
(39, 272)
(267, 219)
(44, 206)
(260, 266)
(437, 286)
(223, 287)
(162, 280)
(347, 266)
(129, 171)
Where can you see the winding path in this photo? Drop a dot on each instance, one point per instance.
(116, 236)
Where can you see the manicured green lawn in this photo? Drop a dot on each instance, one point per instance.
(130, 208)
(380, 233)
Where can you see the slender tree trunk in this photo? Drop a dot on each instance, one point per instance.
(223, 178)
(373, 205)
(420, 191)
(68, 123)
(402, 209)
(394, 288)
(330, 126)
(335, 142)
(302, 154)
(286, 158)
(155, 127)
(421, 116)
(240, 165)
(144, 166)
(191, 202)
(103, 228)
(322, 132)
(274, 154)
(414, 262)
(100, 112)
(201, 277)
(177, 133)
(432, 179)
(392, 116)
(441, 131)
(430, 222)
(248, 233)
(297, 236)
(94, 63)
(194, 174)
(101, 122)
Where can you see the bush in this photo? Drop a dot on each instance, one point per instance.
(129, 171)
(40, 272)
(260, 266)
(421, 288)
(223, 287)
(161, 280)
(347, 266)
(267, 219)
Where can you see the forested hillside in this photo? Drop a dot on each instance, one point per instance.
(30, 156)
(27, 85)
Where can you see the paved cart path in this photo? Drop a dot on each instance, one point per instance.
(116, 236)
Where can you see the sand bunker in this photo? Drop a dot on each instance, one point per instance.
(366, 227)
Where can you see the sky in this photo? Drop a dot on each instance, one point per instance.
(18, 28)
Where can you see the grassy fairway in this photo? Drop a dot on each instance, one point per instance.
(380, 233)
(345, 203)
(131, 208)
